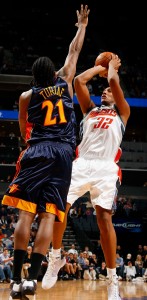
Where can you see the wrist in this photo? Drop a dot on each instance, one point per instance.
(82, 25)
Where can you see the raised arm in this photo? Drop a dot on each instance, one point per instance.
(81, 90)
(117, 92)
(69, 69)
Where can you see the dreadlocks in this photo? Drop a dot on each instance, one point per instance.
(43, 71)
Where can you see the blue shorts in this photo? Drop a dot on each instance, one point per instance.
(42, 179)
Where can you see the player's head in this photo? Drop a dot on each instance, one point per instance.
(43, 71)
(107, 97)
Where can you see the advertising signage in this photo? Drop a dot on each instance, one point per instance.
(127, 226)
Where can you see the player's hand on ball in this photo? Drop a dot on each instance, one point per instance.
(115, 62)
(103, 72)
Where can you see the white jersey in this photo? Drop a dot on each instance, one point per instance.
(102, 132)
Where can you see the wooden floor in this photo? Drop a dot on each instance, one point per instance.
(83, 290)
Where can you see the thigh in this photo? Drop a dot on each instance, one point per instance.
(43, 178)
(80, 181)
(54, 191)
(104, 183)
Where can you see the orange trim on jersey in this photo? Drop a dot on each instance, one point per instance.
(29, 127)
(77, 152)
(19, 203)
(18, 167)
(118, 155)
(52, 208)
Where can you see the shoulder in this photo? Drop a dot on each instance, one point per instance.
(26, 94)
(60, 80)
(25, 97)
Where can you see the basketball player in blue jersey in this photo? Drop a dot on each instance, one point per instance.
(95, 167)
(41, 183)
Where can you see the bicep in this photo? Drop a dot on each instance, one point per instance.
(22, 108)
(124, 110)
(83, 97)
(23, 112)
(68, 71)
(121, 103)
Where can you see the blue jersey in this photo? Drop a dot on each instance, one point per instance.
(51, 115)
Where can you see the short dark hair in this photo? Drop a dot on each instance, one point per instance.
(5, 248)
(43, 71)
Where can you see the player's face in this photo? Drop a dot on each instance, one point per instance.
(107, 97)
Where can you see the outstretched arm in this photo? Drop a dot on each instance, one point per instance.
(69, 69)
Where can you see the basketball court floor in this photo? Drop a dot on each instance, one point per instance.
(83, 290)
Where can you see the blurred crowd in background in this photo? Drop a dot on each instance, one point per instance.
(28, 32)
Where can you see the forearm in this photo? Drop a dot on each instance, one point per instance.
(6, 260)
(112, 75)
(89, 74)
(77, 42)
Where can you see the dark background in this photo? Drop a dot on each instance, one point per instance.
(114, 26)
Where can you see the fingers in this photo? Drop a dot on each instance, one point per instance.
(115, 56)
(83, 11)
(86, 11)
(77, 13)
(116, 60)
(82, 15)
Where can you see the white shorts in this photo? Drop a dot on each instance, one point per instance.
(101, 177)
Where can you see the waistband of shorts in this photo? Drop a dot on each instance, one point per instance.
(49, 142)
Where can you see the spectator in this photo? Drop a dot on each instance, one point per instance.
(92, 272)
(130, 271)
(1, 246)
(72, 259)
(83, 263)
(2, 275)
(145, 269)
(27, 263)
(140, 249)
(69, 269)
(73, 249)
(8, 242)
(128, 258)
(139, 265)
(93, 266)
(3, 220)
(86, 249)
(6, 262)
(102, 271)
(119, 266)
(119, 250)
(86, 274)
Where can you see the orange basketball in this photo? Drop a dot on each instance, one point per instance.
(103, 59)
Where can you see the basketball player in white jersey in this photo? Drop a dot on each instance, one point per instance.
(95, 168)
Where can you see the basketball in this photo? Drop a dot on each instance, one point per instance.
(103, 59)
